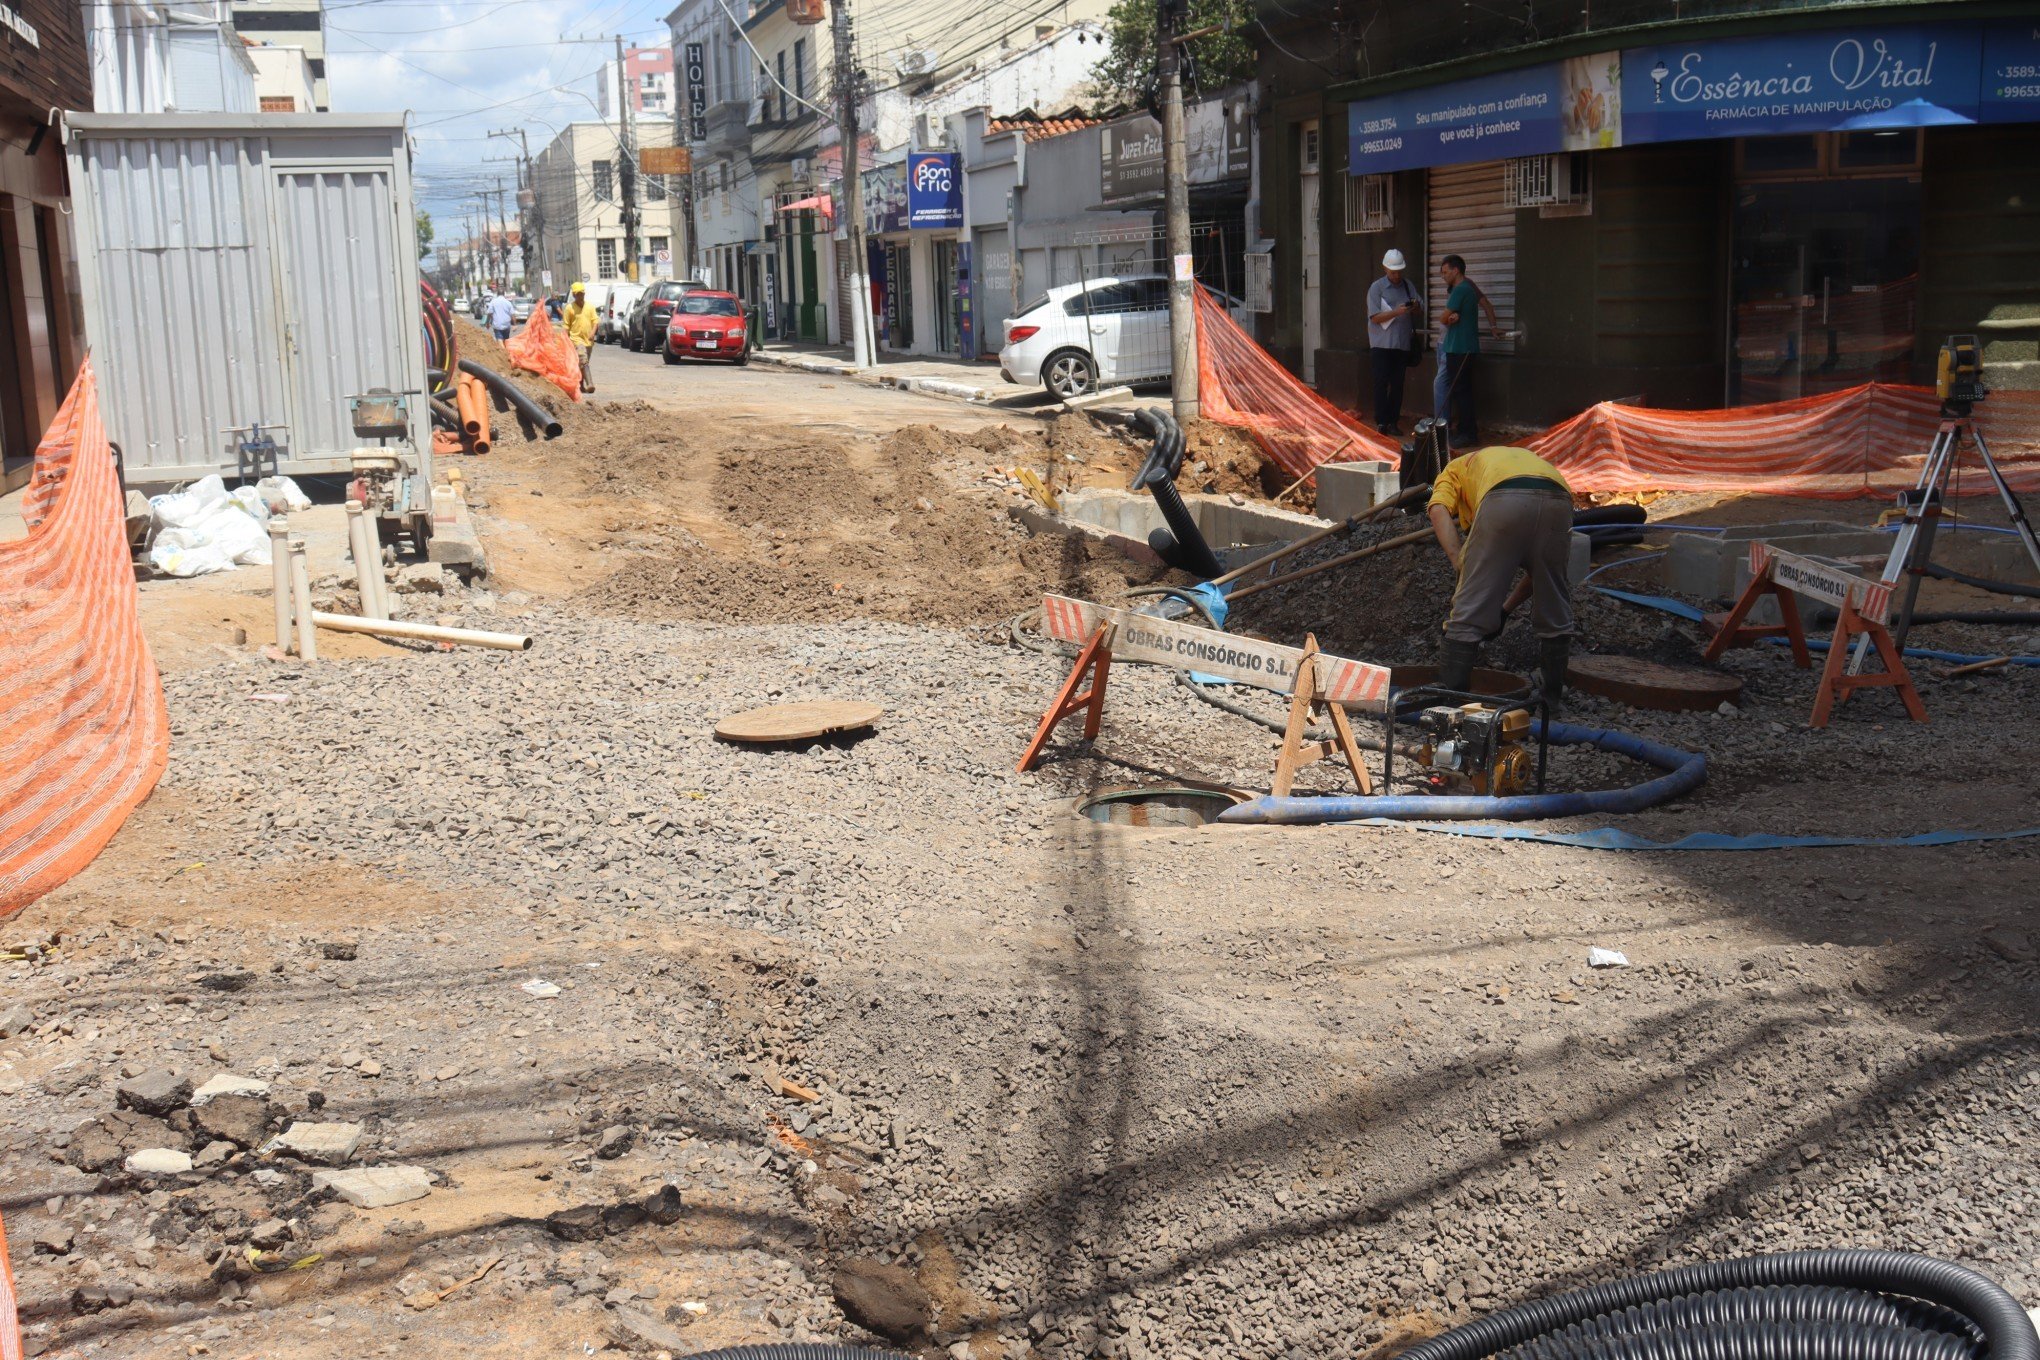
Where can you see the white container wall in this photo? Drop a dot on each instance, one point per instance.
(244, 270)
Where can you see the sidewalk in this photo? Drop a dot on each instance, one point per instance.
(979, 382)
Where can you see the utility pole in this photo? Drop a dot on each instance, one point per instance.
(530, 222)
(503, 237)
(863, 350)
(627, 169)
(1176, 193)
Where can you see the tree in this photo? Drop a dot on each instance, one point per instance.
(424, 231)
(1127, 70)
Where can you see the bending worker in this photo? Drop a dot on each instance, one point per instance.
(579, 318)
(1515, 512)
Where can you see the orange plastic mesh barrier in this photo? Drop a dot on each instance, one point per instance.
(84, 734)
(10, 1327)
(544, 349)
(1863, 441)
(1239, 383)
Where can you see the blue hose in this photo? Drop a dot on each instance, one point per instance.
(1685, 771)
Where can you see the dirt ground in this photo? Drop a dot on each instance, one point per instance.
(875, 1037)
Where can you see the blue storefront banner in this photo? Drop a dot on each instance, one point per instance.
(2011, 72)
(934, 190)
(1487, 118)
(1800, 82)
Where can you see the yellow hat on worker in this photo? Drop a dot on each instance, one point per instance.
(579, 287)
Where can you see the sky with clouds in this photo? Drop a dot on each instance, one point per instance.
(464, 68)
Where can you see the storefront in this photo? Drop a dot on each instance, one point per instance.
(42, 67)
(1695, 221)
(920, 263)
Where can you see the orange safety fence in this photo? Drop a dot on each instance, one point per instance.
(1240, 384)
(1869, 440)
(544, 349)
(84, 733)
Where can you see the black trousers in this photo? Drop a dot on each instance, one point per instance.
(1459, 370)
(1391, 366)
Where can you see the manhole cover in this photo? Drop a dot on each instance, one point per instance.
(799, 721)
(1162, 806)
(1652, 684)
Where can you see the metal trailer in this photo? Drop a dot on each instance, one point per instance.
(242, 270)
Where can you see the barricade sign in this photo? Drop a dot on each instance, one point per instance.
(1314, 681)
(1865, 610)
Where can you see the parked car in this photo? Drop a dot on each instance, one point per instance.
(479, 308)
(649, 316)
(708, 324)
(520, 307)
(613, 311)
(1083, 336)
(463, 303)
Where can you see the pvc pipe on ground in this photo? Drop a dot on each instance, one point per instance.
(371, 532)
(301, 602)
(365, 567)
(529, 411)
(424, 632)
(279, 579)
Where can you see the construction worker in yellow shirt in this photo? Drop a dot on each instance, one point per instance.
(579, 319)
(1496, 510)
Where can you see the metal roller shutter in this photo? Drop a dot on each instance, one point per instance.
(1468, 218)
(845, 318)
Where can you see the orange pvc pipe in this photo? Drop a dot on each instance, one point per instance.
(482, 436)
(464, 398)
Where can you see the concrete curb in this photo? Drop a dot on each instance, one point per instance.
(836, 368)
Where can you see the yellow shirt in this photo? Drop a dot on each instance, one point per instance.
(579, 319)
(1468, 478)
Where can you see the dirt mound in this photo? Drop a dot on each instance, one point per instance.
(1218, 459)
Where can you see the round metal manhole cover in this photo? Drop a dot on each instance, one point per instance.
(799, 721)
(1653, 684)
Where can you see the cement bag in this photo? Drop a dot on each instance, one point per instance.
(181, 509)
(188, 552)
(281, 495)
(544, 349)
(241, 534)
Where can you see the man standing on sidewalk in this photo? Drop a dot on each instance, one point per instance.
(579, 319)
(1452, 385)
(1392, 309)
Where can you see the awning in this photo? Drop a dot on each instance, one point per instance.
(818, 203)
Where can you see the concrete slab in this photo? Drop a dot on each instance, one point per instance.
(456, 546)
(1347, 489)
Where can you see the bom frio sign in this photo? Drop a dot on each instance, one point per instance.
(934, 190)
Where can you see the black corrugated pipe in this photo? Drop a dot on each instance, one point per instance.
(1800, 1305)
(1982, 582)
(1183, 545)
(798, 1350)
(445, 415)
(528, 411)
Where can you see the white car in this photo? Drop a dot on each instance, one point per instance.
(614, 309)
(1083, 336)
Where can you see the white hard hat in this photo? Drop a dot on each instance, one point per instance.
(1394, 260)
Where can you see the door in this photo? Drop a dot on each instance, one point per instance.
(992, 276)
(812, 317)
(1313, 223)
(336, 253)
(1144, 331)
(1101, 311)
(945, 296)
(1824, 287)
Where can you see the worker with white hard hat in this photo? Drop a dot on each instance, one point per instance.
(579, 319)
(1392, 308)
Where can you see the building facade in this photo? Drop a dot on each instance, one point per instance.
(283, 79)
(578, 190)
(290, 23)
(647, 73)
(152, 58)
(44, 66)
(1726, 207)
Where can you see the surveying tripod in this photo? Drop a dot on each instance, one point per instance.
(1960, 386)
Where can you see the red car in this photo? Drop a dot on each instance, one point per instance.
(708, 325)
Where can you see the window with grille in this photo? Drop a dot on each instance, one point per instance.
(1260, 281)
(655, 188)
(605, 259)
(1561, 179)
(605, 182)
(1370, 203)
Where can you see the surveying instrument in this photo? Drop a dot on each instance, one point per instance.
(1959, 384)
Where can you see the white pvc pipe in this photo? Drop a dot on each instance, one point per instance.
(371, 534)
(424, 632)
(367, 569)
(301, 602)
(279, 584)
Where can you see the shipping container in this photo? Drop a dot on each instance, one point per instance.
(244, 270)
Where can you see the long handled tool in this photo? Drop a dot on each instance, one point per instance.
(1401, 541)
(1350, 522)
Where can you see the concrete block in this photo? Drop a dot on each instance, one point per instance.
(227, 1084)
(1346, 489)
(457, 546)
(376, 1187)
(158, 1162)
(327, 1144)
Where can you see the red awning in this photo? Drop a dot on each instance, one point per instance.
(819, 203)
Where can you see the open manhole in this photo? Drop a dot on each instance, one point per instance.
(1156, 805)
